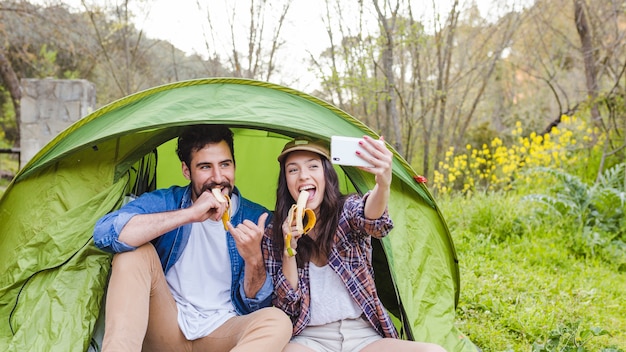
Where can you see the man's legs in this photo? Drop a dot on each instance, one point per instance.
(268, 329)
(139, 300)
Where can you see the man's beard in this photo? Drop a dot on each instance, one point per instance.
(210, 186)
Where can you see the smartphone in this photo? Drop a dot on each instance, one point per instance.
(343, 151)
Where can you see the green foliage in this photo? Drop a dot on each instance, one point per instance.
(71, 74)
(496, 222)
(571, 197)
(570, 337)
(8, 129)
(521, 287)
(595, 213)
(46, 62)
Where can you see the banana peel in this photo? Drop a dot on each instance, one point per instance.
(222, 198)
(298, 212)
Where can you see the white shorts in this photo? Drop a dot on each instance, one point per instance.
(344, 335)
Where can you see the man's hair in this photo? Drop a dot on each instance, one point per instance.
(197, 137)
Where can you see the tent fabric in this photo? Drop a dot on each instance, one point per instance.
(52, 277)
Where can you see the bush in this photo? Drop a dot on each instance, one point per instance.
(521, 287)
(570, 337)
(498, 167)
(594, 213)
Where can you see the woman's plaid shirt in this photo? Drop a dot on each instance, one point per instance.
(350, 258)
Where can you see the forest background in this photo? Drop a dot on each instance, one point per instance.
(516, 118)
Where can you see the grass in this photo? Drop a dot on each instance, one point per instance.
(520, 283)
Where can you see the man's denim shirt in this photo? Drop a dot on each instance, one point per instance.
(171, 245)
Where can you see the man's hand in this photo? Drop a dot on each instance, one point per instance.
(248, 236)
(206, 206)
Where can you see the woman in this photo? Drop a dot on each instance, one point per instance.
(324, 280)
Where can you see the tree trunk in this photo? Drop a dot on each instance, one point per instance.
(390, 86)
(591, 79)
(445, 64)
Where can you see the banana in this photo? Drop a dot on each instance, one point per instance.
(223, 199)
(290, 251)
(298, 212)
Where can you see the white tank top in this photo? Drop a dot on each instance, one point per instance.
(330, 299)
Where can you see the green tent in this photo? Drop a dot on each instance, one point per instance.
(53, 278)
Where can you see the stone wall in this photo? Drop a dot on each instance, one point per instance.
(48, 107)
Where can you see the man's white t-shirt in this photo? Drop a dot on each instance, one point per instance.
(200, 280)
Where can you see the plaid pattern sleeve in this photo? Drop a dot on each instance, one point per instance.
(285, 296)
(354, 218)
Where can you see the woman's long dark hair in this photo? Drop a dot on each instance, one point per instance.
(327, 219)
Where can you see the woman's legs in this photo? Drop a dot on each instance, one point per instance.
(397, 345)
(296, 347)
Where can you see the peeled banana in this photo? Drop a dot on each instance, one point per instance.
(298, 212)
(222, 198)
